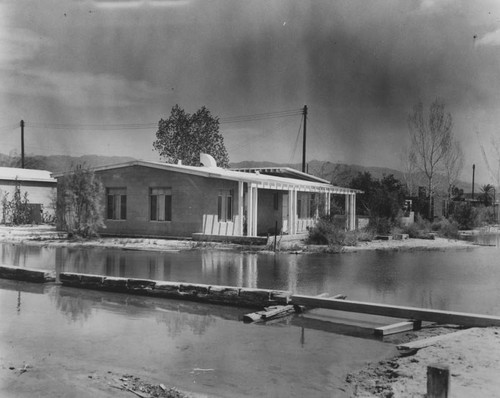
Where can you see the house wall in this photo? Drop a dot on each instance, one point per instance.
(38, 193)
(194, 203)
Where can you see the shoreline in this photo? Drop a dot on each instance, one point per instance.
(46, 235)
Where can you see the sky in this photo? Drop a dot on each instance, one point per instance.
(95, 77)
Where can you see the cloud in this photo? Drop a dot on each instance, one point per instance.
(489, 39)
(434, 5)
(131, 4)
(18, 45)
(81, 89)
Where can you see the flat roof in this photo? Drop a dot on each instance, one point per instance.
(286, 172)
(33, 175)
(263, 181)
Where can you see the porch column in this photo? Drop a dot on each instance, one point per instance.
(249, 210)
(353, 211)
(347, 212)
(327, 203)
(294, 214)
(255, 209)
(350, 212)
(241, 208)
(291, 212)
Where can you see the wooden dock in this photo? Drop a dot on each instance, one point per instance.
(394, 311)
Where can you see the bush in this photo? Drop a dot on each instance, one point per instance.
(380, 225)
(464, 215)
(419, 229)
(446, 228)
(327, 232)
(16, 211)
(485, 215)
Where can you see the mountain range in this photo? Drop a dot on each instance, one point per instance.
(337, 173)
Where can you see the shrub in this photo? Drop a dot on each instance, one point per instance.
(419, 229)
(17, 210)
(485, 215)
(464, 215)
(446, 228)
(380, 225)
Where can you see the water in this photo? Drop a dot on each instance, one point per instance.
(206, 348)
(460, 280)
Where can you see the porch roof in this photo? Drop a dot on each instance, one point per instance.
(262, 181)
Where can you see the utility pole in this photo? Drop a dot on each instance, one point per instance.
(22, 144)
(473, 175)
(304, 112)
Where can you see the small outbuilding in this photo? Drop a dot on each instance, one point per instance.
(39, 186)
(174, 200)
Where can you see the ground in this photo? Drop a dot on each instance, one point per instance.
(473, 359)
(473, 356)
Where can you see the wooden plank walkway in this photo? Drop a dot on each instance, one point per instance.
(423, 314)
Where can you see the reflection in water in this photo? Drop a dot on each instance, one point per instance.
(229, 268)
(460, 280)
(177, 316)
(74, 305)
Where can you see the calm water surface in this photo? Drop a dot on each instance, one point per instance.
(461, 280)
(206, 348)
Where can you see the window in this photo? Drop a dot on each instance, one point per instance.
(160, 204)
(225, 205)
(116, 204)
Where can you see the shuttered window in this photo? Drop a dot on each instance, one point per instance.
(116, 203)
(160, 203)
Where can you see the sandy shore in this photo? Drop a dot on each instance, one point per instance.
(472, 356)
(47, 235)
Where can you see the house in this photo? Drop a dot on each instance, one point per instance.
(175, 200)
(38, 184)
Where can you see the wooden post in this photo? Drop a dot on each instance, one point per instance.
(438, 381)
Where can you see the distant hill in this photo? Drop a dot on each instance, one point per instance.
(341, 174)
(58, 163)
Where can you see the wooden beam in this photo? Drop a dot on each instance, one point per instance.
(423, 314)
(397, 328)
(418, 344)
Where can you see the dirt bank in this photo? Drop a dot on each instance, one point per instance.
(473, 358)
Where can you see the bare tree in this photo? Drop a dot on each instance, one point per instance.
(409, 171)
(493, 169)
(453, 165)
(430, 141)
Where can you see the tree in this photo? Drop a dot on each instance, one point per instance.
(430, 141)
(453, 165)
(487, 194)
(80, 203)
(17, 210)
(380, 198)
(183, 137)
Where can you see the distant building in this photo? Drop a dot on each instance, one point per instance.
(38, 184)
(174, 200)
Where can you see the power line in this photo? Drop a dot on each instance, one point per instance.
(260, 116)
(149, 126)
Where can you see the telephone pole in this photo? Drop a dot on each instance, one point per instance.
(22, 144)
(304, 112)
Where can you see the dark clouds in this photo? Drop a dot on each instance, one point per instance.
(359, 66)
